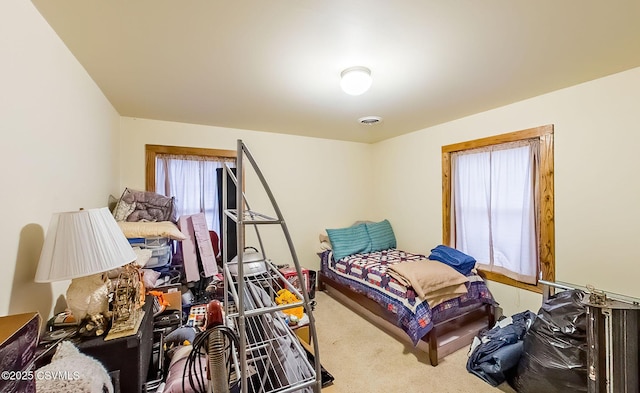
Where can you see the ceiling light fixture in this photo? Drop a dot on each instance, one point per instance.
(355, 80)
(370, 120)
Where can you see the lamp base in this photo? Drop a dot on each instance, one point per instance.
(88, 296)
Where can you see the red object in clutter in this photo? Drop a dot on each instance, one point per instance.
(215, 243)
(214, 314)
(291, 275)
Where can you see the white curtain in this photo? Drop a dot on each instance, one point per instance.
(493, 199)
(192, 181)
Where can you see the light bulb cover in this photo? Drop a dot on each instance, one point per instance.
(355, 80)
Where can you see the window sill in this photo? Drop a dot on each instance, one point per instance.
(497, 277)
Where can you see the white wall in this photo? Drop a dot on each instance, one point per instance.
(59, 149)
(61, 152)
(317, 183)
(597, 192)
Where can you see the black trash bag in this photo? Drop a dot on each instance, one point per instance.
(554, 357)
(498, 350)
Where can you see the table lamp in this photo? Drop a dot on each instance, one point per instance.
(80, 246)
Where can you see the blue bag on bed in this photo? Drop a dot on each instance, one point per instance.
(456, 259)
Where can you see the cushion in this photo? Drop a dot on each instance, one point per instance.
(123, 210)
(144, 206)
(381, 234)
(349, 241)
(136, 229)
(325, 243)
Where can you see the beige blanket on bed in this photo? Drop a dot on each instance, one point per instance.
(432, 280)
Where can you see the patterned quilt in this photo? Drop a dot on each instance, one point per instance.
(367, 274)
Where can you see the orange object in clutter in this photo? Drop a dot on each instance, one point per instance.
(286, 297)
(161, 299)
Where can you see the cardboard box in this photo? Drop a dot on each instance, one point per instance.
(172, 295)
(19, 335)
(175, 300)
(303, 332)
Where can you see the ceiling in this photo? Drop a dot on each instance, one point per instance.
(275, 65)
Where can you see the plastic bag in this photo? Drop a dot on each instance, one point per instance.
(554, 357)
(496, 351)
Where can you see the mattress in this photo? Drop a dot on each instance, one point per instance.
(366, 273)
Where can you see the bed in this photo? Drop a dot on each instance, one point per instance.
(367, 282)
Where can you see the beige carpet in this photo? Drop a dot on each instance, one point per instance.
(365, 359)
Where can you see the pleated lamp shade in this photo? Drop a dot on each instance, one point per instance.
(82, 243)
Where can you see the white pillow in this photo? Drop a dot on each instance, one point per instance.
(325, 243)
(151, 229)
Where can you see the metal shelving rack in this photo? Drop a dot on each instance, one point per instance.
(269, 358)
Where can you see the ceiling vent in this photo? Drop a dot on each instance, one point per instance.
(370, 120)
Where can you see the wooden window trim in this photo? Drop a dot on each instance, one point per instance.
(151, 151)
(546, 237)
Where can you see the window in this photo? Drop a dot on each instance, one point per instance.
(191, 176)
(498, 205)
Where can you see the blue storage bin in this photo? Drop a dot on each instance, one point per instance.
(137, 241)
(160, 256)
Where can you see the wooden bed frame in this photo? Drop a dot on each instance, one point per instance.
(446, 336)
